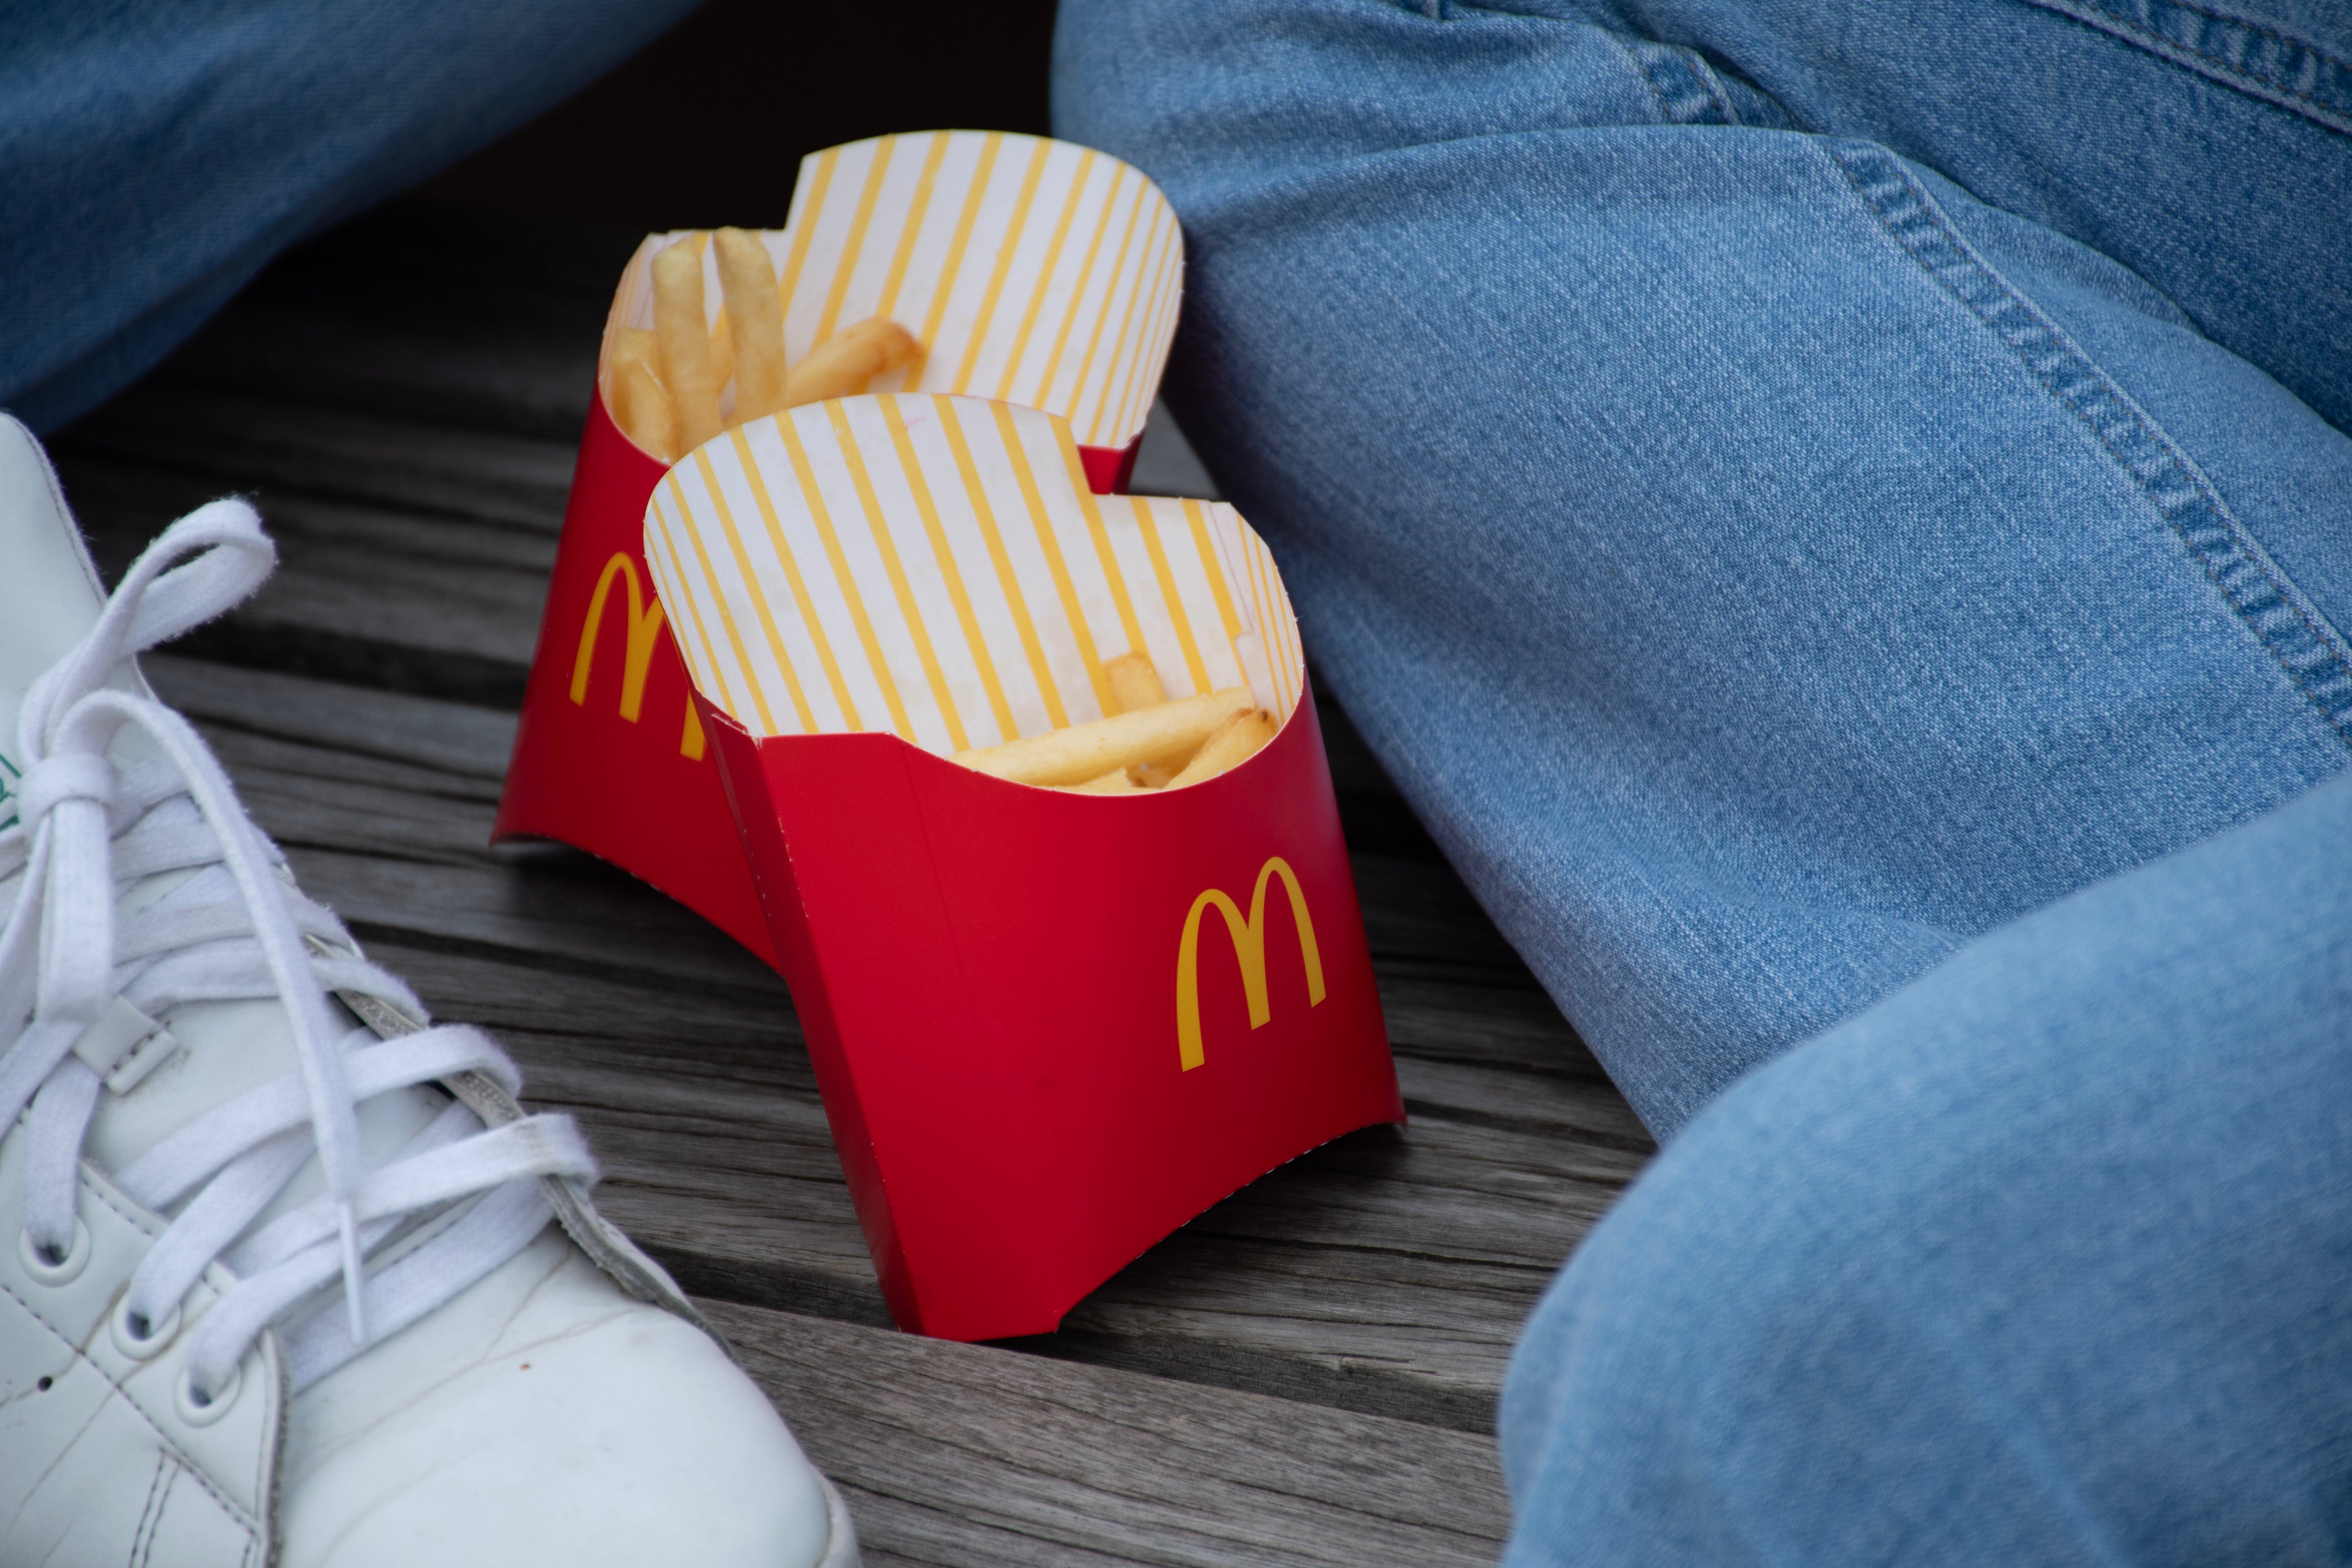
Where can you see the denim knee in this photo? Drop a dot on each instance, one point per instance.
(1717, 1351)
(2040, 1260)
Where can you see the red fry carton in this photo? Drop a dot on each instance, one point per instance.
(1032, 271)
(1049, 1028)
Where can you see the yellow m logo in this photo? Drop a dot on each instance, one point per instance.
(1249, 950)
(645, 633)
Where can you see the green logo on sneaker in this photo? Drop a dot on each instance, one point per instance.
(9, 774)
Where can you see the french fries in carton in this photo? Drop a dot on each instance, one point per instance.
(1032, 788)
(1016, 267)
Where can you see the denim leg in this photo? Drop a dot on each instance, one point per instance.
(2203, 145)
(1764, 565)
(154, 156)
(2043, 1260)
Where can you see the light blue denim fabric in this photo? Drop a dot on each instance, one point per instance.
(155, 154)
(1830, 513)
(1764, 565)
(2041, 1260)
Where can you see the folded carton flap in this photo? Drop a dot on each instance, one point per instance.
(1033, 271)
(930, 1078)
(936, 568)
(749, 798)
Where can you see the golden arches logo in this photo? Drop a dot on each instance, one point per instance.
(1249, 951)
(636, 661)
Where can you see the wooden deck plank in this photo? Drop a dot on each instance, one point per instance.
(367, 590)
(955, 1453)
(506, 481)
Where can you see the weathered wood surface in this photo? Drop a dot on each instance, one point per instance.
(1114, 1467)
(402, 402)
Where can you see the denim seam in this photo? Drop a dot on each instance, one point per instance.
(2329, 109)
(1696, 64)
(2308, 650)
(1687, 90)
(1641, 68)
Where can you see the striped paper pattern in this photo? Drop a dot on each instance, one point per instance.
(1033, 271)
(936, 567)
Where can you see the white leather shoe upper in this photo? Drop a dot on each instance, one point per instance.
(565, 1406)
(551, 1392)
(99, 1463)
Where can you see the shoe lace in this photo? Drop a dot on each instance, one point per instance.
(406, 1232)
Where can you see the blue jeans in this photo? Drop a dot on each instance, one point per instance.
(1839, 516)
(155, 154)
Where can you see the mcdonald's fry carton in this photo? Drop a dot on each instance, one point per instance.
(1049, 1027)
(1027, 271)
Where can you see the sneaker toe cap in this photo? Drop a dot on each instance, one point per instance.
(544, 1416)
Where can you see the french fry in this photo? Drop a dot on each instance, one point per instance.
(1133, 682)
(723, 353)
(682, 341)
(747, 278)
(633, 343)
(639, 406)
(842, 365)
(1085, 752)
(1115, 781)
(1235, 742)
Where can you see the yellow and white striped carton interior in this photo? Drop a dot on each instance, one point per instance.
(936, 567)
(1032, 271)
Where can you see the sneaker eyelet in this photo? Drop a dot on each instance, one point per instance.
(138, 1346)
(184, 1402)
(65, 1270)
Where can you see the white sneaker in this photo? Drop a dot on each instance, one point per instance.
(276, 1280)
